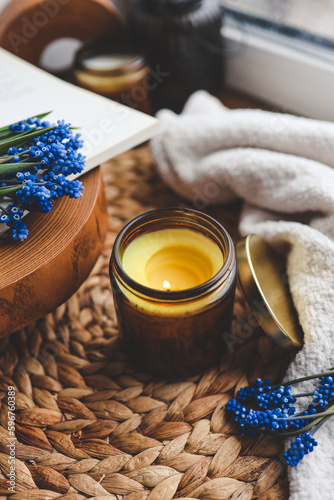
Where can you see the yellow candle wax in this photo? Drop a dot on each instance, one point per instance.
(172, 259)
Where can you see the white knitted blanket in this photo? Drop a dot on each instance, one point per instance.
(283, 168)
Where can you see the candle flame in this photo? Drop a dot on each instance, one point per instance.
(166, 286)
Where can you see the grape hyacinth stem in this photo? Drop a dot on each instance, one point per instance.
(10, 168)
(304, 379)
(318, 422)
(302, 394)
(306, 417)
(7, 191)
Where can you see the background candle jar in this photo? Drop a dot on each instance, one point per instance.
(112, 68)
(173, 275)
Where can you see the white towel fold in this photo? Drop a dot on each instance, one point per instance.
(283, 168)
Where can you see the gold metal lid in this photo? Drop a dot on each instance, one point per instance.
(263, 280)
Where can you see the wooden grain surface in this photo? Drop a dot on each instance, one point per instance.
(40, 273)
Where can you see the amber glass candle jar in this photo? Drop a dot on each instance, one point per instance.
(112, 68)
(173, 275)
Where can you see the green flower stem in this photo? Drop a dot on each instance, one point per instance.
(5, 159)
(317, 422)
(302, 394)
(306, 417)
(303, 379)
(8, 158)
(5, 191)
(9, 168)
(11, 133)
(322, 422)
(3, 135)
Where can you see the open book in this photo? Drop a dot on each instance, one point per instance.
(107, 127)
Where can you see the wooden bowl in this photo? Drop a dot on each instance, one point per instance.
(42, 272)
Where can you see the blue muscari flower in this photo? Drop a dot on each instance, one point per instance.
(75, 142)
(56, 156)
(12, 217)
(275, 408)
(56, 153)
(38, 123)
(20, 176)
(59, 186)
(63, 130)
(27, 176)
(12, 151)
(265, 397)
(34, 197)
(303, 444)
(323, 394)
(35, 152)
(19, 127)
(248, 393)
(4, 218)
(254, 421)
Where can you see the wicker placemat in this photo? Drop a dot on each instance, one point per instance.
(89, 424)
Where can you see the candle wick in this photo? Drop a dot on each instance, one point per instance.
(166, 286)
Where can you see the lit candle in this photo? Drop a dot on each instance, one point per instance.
(172, 259)
(166, 286)
(173, 275)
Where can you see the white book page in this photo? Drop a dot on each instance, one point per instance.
(107, 127)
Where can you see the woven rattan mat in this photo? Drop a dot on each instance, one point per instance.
(89, 424)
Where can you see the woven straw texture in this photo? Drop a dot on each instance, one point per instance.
(89, 424)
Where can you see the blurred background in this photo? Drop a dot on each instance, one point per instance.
(279, 51)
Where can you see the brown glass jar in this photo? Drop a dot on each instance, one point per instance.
(175, 333)
(113, 69)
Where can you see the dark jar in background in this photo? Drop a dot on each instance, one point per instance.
(181, 41)
(113, 69)
(174, 333)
